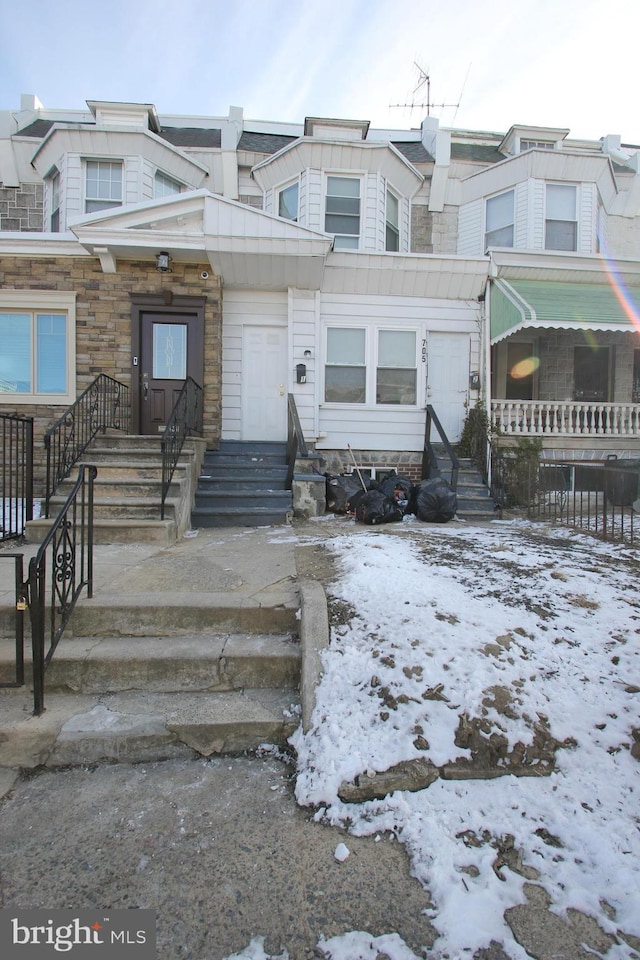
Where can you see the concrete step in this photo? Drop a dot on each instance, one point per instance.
(193, 663)
(243, 499)
(142, 727)
(109, 486)
(163, 532)
(239, 517)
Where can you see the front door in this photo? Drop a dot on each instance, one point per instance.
(264, 383)
(448, 379)
(170, 350)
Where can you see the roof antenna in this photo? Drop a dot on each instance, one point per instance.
(424, 80)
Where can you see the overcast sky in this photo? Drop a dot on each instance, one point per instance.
(562, 63)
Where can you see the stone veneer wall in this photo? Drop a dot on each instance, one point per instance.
(22, 208)
(407, 464)
(556, 362)
(103, 326)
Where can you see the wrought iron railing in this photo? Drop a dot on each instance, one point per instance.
(185, 420)
(58, 573)
(296, 444)
(603, 499)
(429, 458)
(16, 463)
(103, 405)
(20, 607)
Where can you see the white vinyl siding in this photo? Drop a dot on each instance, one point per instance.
(470, 226)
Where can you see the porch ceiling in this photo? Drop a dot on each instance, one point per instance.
(521, 304)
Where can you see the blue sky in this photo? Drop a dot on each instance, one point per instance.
(564, 63)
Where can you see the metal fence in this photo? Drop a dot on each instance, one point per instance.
(16, 475)
(603, 499)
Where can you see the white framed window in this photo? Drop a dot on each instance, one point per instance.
(345, 376)
(396, 370)
(288, 202)
(54, 219)
(165, 186)
(392, 223)
(371, 366)
(103, 185)
(536, 145)
(342, 211)
(38, 357)
(561, 224)
(499, 217)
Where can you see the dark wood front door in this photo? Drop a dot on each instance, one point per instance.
(171, 348)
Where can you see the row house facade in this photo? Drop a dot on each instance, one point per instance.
(367, 272)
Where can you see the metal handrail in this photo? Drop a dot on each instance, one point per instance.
(429, 459)
(296, 444)
(103, 405)
(185, 420)
(16, 492)
(70, 545)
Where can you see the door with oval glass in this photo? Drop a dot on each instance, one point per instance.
(170, 350)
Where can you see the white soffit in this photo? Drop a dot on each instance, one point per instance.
(412, 275)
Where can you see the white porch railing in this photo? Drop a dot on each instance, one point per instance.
(540, 418)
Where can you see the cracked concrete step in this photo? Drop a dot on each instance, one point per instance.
(166, 664)
(143, 727)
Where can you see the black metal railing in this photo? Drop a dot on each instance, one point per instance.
(103, 405)
(296, 444)
(16, 464)
(58, 573)
(429, 459)
(597, 498)
(185, 420)
(20, 607)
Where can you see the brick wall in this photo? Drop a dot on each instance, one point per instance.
(21, 208)
(103, 325)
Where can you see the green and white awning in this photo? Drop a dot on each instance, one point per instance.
(522, 304)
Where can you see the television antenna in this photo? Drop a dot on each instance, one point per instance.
(424, 81)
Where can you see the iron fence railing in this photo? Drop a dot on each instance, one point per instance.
(17, 627)
(16, 465)
(296, 444)
(598, 498)
(185, 420)
(58, 573)
(103, 405)
(429, 459)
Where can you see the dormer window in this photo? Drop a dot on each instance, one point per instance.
(536, 145)
(392, 227)
(103, 185)
(561, 225)
(499, 221)
(288, 202)
(342, 211)
(164, 186)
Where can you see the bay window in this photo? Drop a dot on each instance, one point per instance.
(288, 202)
(37, 361)
(392, 227)
(561, 226)
(165, 186)
(342, 211)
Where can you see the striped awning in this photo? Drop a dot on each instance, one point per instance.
(520, 304)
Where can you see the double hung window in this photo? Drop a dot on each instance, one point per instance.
(38, 357)
(367, 366)
(342, 211)
(103, 185)
(55, 203)
(392, 227)
(561, 225)
(165, 186)
(499, 220)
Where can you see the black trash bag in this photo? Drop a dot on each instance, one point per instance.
(376, 507)
(341, 489)
(400, 489)
(435, 501)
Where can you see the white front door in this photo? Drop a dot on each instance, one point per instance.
(264, 383)
(448, 380)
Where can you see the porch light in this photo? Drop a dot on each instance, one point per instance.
(162, 262)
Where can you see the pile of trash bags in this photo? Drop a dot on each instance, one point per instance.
(390, 498)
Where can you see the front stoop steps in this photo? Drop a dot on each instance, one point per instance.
(474, 500)
(147, 697)
(128, 489)
(243, 484)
